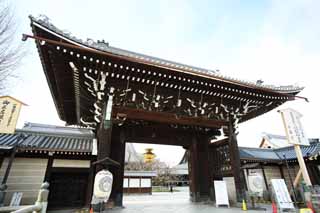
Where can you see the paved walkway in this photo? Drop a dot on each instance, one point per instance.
(163, 202)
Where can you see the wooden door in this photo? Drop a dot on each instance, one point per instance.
(67, 189)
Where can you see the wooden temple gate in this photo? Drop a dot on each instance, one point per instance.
(124, 96)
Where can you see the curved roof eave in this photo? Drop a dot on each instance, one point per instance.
(44, 24)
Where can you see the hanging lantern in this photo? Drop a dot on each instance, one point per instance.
(148, 156)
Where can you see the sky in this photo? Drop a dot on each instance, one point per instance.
(276, 41)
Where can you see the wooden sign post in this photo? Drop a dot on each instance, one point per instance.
(296, 136)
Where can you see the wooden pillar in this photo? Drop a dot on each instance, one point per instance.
(245, 175)
(90, 184)
(118, 154)
(192, 169)
(200, 180)
(235, 162)
(103, 135)
(212, 165)
(104, 145)
(11, 159)
(281, 172)
(313, 172)
(264, 177)
(48, 169)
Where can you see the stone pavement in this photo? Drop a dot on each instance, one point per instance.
(166, 202)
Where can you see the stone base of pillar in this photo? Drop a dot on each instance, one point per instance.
(196, 197)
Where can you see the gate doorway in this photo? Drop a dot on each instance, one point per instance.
(155, 180)
(68, 188)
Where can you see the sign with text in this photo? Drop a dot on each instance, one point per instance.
(9, 113)
(293, 126)
(281, 194)
(102, 186)
(221, 193)
(16, 199)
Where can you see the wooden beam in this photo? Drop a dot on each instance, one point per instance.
(157, 140)
(302, 165)
(297, 178)
(165, 117)
(219, 143)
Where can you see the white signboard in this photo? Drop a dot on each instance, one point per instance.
(16, 199)
(281, 194)
(221, 193)
(102, 186)
(293, 126)
(9, 113)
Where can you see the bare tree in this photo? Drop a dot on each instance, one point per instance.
(10, 53)
(164, 172)
(140, 165)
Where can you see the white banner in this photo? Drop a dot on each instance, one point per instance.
(293, 126)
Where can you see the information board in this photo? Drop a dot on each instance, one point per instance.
(281, 194)
(16, 199)
(9, 113)
(220, 189)
(294, 130)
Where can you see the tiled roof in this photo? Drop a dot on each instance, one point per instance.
(258, 154)
(50, 138)
(43, 22)
(47, 141)
(308, 151)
